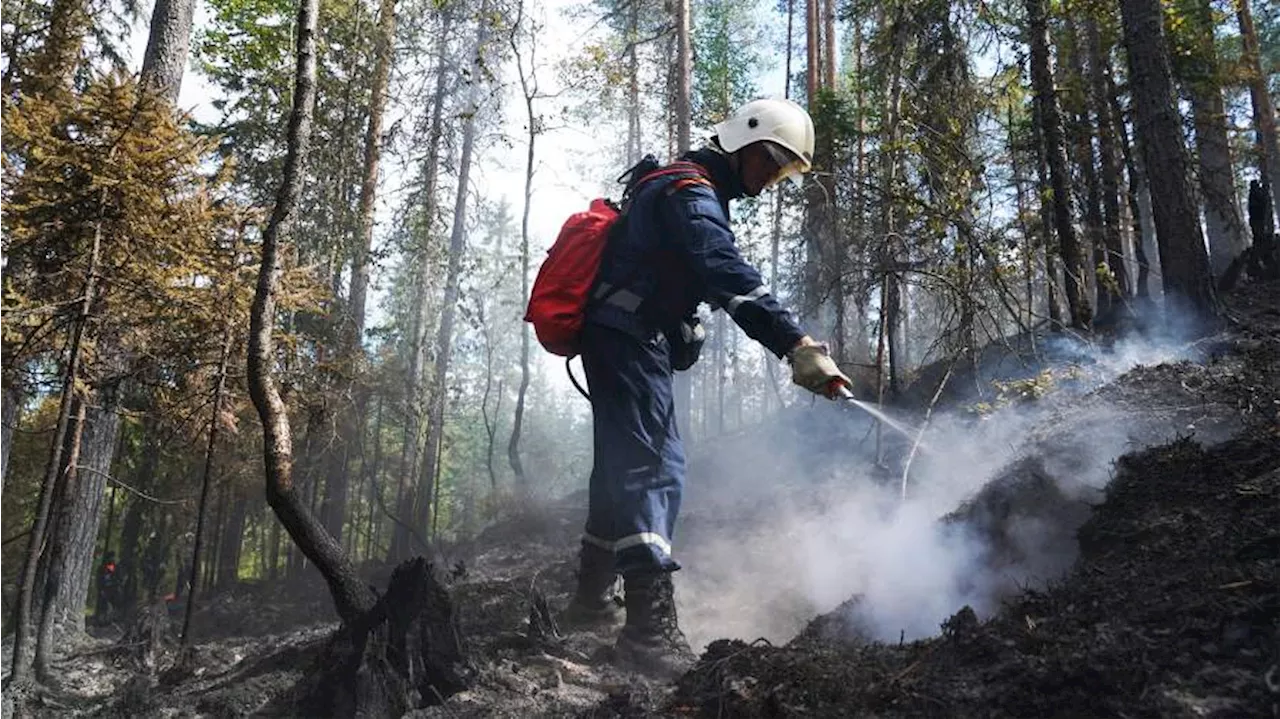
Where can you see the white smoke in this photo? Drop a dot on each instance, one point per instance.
(774, 534)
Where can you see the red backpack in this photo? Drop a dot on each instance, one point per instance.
(560, 294)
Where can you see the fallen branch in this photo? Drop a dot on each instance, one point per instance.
(915, 446)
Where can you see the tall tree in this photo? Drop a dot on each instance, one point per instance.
(1199, 71)
(681, 109)
(527, 50)
(1264, 111)
(1116, 286)
(337, 467)
(165, 59)
(415, 433)
(1188, 286)
(429, 496)
(351, 596)
(1056, 185)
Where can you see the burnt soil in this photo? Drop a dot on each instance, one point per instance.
(1167, 606)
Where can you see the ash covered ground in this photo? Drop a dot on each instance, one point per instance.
(1096, 535)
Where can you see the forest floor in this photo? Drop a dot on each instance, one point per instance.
(1120, 528)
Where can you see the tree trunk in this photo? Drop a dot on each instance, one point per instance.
(350, 422)
(375, 486)
(528, 87)
(457, 240)
(227, 572)
(829, 44)
(683, 69)
(22, 655)
(1139, 195)
(58, 59)
(351, 596)
(1200, 75)
(10, 416)
(84, 507)
(1045, 207)
(415, 424)
(1117, 286)
(812, 43)
(1264, 111)
(166, 56)
(890, 297)
(634, 136)
(59, 541)
(1058, 180)
(1188, 286)
(1076, 105)
(219, 387)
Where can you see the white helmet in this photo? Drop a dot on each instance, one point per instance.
(781, 122)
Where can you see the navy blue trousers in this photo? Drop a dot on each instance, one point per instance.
(638, 472)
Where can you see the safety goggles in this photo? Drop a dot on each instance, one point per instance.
(790, 167)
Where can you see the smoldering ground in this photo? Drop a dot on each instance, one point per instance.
(786, 523)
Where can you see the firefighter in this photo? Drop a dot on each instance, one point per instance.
(675, 251)
(108, 587)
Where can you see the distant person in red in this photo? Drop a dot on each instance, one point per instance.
(108, 586)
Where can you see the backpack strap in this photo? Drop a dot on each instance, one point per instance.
(687, 174)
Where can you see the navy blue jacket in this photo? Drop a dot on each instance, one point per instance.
(677, 250)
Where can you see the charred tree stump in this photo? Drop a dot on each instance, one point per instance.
(406, 652)
(1261, 260)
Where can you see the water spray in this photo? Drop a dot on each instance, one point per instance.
(841, 391)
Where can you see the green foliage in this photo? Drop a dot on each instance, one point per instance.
(725, 41)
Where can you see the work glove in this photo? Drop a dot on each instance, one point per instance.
(686, 343)
(813, 369)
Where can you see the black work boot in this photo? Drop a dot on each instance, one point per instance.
(595, 604)
(651, 640)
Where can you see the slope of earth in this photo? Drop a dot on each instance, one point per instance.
(1171, 609)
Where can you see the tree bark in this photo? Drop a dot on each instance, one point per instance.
(634, 137)
(10, 416)
(1058, 180)
(165, 60)
(58, 59)
(1188, 286)
(812, 44)
(829, 44)
(83, 507)
(1264, 111)
(351, 596)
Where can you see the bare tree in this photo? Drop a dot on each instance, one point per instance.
(351, 596)
(529, 90)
